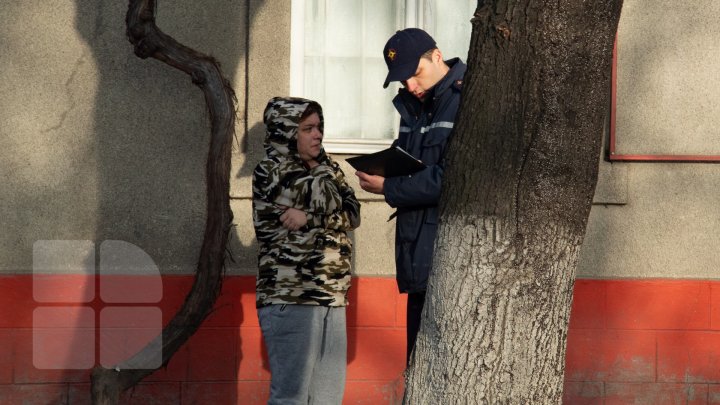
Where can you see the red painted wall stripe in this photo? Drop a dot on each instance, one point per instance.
(630, 341)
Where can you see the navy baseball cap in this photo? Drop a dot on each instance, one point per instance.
(403, 51)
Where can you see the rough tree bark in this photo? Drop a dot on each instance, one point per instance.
(149, 41)
(519, 182)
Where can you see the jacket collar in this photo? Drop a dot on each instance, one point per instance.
(456, 72)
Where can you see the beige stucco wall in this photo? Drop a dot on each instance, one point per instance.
(668, 77)
(97, 144)
(668, 102)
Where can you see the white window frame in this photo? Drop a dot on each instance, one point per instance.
(418, 13)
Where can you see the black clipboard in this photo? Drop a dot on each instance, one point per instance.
(391, 162)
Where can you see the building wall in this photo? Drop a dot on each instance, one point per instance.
(659, 219)
(630, 342)
(97, 144)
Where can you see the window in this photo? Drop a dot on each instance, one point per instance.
(336, 59)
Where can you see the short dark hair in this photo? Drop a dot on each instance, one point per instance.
(428, 54)
(312, 108)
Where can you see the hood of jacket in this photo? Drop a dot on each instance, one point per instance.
(281, 118)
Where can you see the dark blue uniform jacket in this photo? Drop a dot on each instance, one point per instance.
(425, 128)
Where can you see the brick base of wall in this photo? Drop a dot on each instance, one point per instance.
(630, 342)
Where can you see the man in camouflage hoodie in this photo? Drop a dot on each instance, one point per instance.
(302, 211)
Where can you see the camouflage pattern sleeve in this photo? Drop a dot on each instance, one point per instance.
(314, 191)
(266, 214)
(322, 192)
(348, 218)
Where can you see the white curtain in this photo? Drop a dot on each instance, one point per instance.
(343, 66)
(448, 21)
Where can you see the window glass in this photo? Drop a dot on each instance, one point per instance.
(337, 60)
(448, 21)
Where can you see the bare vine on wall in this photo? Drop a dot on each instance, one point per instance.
(150, 42)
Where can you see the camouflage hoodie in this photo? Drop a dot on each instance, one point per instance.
(310, 266)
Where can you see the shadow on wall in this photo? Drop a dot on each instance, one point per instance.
(151, 132)
(151, 126)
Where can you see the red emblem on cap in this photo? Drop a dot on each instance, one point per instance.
(391, 54)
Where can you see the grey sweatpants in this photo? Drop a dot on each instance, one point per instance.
(307, 349)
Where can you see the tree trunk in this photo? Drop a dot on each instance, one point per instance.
(519, 182)
(149, 41)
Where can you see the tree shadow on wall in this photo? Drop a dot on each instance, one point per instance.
(151, 132)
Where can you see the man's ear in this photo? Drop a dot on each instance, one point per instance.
(437, 56)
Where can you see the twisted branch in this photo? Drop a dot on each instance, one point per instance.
(150, 42)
